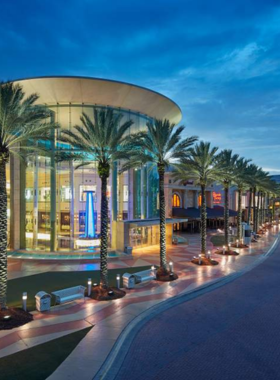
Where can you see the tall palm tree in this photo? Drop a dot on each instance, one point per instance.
(240, 169)
(227, 160)
(161, 145)
(201, 166)
(102, 140)
(23, 125)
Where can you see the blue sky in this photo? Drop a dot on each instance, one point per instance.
(219, 60)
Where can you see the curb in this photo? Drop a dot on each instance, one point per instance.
(114, 360)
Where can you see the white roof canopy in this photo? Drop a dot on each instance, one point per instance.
(77, 90)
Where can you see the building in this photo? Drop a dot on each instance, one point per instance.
(47, 209)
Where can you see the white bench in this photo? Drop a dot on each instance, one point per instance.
(69, 294)
(144, 276)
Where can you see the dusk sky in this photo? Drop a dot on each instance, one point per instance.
(219, 60)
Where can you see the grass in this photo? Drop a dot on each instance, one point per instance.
(39, 362)
(218, 240)
(51, 281)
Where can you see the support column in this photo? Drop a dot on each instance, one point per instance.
(15, 203)
(72, 206)
(22, 213)
(53, 242)
(35, 201)
(114, 195)
(130, 194)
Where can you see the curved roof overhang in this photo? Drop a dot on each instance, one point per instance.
(78, 90)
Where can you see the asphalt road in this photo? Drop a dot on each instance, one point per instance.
(230, 333)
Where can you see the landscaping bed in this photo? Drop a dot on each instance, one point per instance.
(51, 281)
(14, 317)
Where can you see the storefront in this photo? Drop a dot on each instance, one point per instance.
(49, 204)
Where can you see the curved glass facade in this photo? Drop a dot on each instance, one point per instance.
(55, 201)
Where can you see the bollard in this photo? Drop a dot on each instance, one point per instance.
(237, 243)
(118, 281)
(24, 300)
(171, 266)
(224, 249)
(209, 254)
(199, 259)
(154, 269)
(89, 283)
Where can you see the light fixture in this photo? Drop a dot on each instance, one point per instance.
(171, 266)
(89, 286)
(118, 281)
(24, 301)
(199, 259)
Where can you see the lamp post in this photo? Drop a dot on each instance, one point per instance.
(199, 259)
(224, 249)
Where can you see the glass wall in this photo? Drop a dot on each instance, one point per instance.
(55, 200)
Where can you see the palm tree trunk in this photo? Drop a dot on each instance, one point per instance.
(273, 209)
(104, 234)
(261, 210)
(203, 218)
(249, 207)
(162, 219)
(239, 215)
(3, 236)
(226, 216)
(264, 200)
(254, 209)
(258, 212)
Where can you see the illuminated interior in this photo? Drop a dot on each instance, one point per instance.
(176, 200)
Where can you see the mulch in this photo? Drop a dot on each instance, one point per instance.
(204, 261)
(165, 276)
(240, 245)
(228, 252)
(106, 294)
(14, 317)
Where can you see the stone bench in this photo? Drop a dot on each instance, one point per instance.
(144, 276)
(69, 294)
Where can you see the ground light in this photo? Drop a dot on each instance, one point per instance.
(224, 249)
(118, 281)
(89, 283)
(199, 259)
(209, 254)
(24, 301)
(237, 243)
(171, 266)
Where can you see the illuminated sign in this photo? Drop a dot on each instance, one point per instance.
(217, 198)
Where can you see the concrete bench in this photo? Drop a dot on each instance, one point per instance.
(69, 294)
(144, 276)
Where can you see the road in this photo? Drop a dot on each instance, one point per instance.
(230, 333)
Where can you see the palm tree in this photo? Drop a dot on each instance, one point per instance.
(201, 166)
(226, 160)
(161, 145)
(23, 125)
(240, 169)
(102, 140)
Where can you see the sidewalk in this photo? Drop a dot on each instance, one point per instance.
(110, 318)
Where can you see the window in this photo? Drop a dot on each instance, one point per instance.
(176, 201)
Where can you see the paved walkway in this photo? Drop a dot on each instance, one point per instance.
(232, 332)
(110, 318)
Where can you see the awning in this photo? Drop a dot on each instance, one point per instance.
(194, 213)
